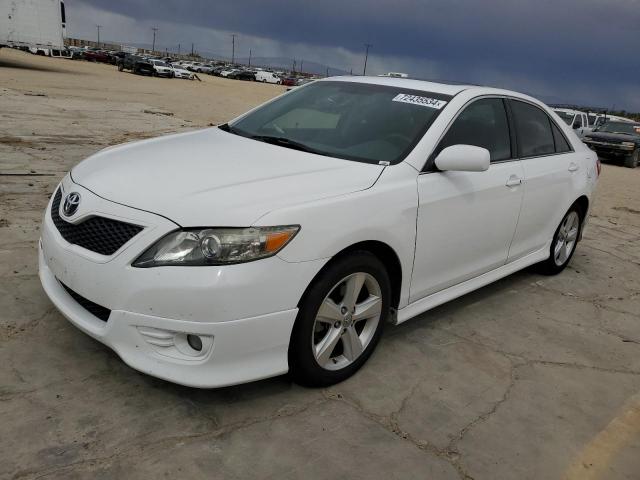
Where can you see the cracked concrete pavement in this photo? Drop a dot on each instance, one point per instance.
(530, 378)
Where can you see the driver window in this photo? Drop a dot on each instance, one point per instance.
(482, 124)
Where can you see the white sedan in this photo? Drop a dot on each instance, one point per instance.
(290, 236)
(180, 72)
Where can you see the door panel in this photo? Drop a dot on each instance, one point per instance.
(548, 185)
(466, 221)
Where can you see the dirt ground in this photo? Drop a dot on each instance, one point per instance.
(529, 378)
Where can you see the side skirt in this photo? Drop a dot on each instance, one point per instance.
(443, 296)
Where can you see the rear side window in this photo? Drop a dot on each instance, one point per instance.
(482, 124)
(533, 130)
(562, 145)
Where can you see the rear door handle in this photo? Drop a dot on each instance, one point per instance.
(514, 181)
(573, 167)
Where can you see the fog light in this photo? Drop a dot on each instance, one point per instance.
(194, 342)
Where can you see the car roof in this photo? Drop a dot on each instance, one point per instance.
(567, 110)
(433, 87)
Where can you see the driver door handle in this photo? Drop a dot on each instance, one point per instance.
(514, 181)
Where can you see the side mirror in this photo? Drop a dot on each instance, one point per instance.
(463, 158)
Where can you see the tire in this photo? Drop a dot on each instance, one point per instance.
(565, 240)
(120, 67)
(348, 340)
(632, 160)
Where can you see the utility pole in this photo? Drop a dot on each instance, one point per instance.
(327, 71)
(301, 62)
(98, 27)
(178, 49)
(192, 49)
(249, 58)
(294, 67)
(233, 48)
(366, 56)
(153, 48)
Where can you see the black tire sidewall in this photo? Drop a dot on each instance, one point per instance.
(302, 363)
(632, 160)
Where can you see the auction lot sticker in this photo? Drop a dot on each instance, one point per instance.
(418, 100)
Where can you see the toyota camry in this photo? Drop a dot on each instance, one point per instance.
(284, 240)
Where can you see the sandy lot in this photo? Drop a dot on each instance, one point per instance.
(530, 378)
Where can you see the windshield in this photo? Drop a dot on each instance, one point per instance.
(567, 117)
(354, 121)
(160, 63)
(620, 127)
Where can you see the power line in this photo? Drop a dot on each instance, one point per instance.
(366, 56)
(153, 48)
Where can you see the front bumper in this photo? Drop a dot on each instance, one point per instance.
(243, 313)
(609, 149)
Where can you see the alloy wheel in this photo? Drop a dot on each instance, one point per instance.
(566, 239)
(346, 321)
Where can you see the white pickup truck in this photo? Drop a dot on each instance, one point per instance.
(34, 24)
(575, 119)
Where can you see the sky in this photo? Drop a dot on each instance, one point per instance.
(585, 52)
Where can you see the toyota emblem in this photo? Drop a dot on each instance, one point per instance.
(71, 203)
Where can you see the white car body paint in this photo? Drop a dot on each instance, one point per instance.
(452, 232)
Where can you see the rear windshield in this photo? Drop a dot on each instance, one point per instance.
(354, 121)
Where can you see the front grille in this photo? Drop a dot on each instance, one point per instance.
(98, 234)
(93, 308)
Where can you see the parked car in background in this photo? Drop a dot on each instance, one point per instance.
(616, 140)
(136, 64)
(337, 208)
(180, 72)
(289, 81)
(225, 72)
(162, 69)
(94, 55)
(267, 77)
(242, 75)
(575, 119)
(203, 68)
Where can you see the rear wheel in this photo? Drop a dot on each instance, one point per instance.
(564, 243)
(120, 67)
(340, 320)
(632, 160)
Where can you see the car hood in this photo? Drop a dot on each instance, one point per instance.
(215, 178)
(613, 137)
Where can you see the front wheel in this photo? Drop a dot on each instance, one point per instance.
(564, 243)
(632, 160)
(340, 320)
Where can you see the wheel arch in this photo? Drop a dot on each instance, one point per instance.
(383, 252)
(583, 206)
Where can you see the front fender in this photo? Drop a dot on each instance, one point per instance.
(385, 212)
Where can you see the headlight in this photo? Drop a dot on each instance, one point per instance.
(216, 246)
(628, 144)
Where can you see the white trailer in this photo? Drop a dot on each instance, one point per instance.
(34, 24)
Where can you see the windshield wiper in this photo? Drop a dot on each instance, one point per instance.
(287, 143)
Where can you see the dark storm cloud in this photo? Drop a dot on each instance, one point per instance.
(589, 45)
